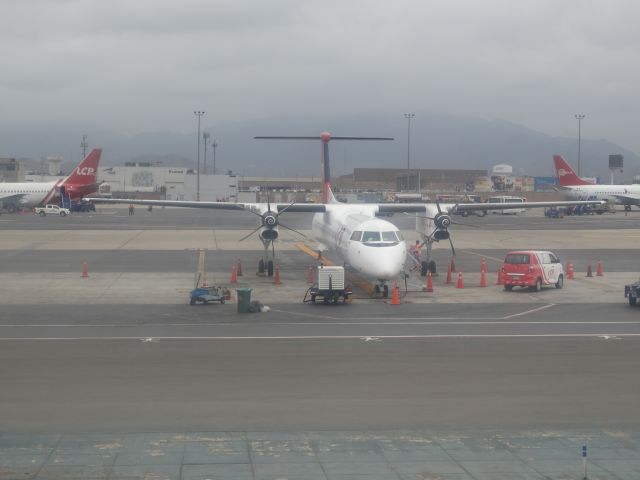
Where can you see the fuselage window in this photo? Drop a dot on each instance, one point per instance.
(356, 236)
(371, 237)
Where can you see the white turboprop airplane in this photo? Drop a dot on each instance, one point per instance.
(579, 189)
(81, 182)
(369, 245)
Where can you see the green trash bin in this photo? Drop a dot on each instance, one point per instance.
(244, 299)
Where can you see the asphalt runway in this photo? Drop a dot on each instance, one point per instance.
(457, 362)
(108, 217)
(462, 384)
(467, 260)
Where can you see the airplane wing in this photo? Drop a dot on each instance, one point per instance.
(389, 208)
(11, 196)
(471, 207)
(252, 207)
(382, 208)
(628, 199)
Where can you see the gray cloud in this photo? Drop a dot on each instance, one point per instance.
(146, 65)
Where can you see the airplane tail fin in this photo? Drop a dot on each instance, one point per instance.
(327, 194)
(325, 138)
(566, 176)
(87, 171)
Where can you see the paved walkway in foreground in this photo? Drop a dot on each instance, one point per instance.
(321, 455)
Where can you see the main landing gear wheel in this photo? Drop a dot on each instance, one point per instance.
(270, 268)
(632, 301)
(261, 267)
(385, 291)
(424, 268)
(376, 289)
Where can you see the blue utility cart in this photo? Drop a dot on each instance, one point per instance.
(206, 295)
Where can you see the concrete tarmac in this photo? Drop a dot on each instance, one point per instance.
(119, 355)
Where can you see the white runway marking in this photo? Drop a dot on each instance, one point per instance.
(438, 321)
(338, 337)
(544, 307)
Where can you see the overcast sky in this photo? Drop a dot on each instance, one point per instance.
(141, 65)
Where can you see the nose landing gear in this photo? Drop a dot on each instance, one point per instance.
(383, 288)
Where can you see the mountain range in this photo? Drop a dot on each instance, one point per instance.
(437, 141)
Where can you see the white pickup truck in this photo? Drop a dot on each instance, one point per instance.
(51, 209)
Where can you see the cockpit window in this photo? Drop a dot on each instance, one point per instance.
(389, 237)
(356, 236)
(400, 237)
(371, 237)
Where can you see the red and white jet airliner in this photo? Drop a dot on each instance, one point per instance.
(579, 189)
(81, 182)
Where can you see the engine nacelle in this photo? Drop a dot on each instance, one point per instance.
(441, 235)
(269, 234)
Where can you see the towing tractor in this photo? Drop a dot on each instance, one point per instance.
(329, 285)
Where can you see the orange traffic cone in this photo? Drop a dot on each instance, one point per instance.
(589, 272)
(234, 275)
(276, 277)
(460, 284)
(395, 296)
(310, 274)
(449, 273)
(570, 273)
(483, 278)
(429, 287)
(483, 265)
(599, 271)
(85, 270)
(239, 269)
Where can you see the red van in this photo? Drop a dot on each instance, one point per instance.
(532, 268)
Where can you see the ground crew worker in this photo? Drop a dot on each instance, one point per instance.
(131, 210)
(416, 252)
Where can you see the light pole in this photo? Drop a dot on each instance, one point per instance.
(579, 117)
(214, 145)
(198, 114)
(83, 146)
(409, 116)
(205, 140)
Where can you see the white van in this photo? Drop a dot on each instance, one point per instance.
(505, 199)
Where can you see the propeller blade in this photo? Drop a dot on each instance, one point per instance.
(247, 236)
(255, 213)
(293, 230)
(465, 224)
(438, 205)
(453, 250)
(285, 209)
(418, 216)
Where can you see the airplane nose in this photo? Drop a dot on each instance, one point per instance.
(389, 262)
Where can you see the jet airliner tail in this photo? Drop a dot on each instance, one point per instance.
(82, 180)
(566, 176)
